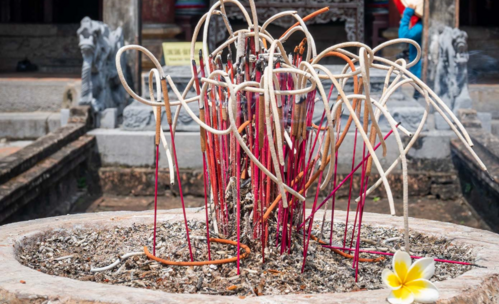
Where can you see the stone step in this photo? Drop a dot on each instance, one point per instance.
(35, 93)
(28, 125)
(17, 163)
(46, 184)
(42, 176)
(9, 147)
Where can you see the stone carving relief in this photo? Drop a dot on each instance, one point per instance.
(139, 117)
(349, 11)
(100, 85)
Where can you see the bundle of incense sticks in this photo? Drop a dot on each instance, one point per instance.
(263, 149)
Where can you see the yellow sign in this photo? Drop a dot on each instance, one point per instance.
(179, 53)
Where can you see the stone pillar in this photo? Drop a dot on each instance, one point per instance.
(126, 13)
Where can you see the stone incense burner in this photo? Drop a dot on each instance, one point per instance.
(20, 284)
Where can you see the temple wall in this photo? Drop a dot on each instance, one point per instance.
(52, 47)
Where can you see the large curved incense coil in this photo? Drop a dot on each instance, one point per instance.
(255, 119)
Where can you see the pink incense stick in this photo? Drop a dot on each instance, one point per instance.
(350, 188)
(358, 213)
(392, 254)
(155, 199)
(343, 181)
(180, 192)
(334, 184)
(305, 245)
(362, 202)
(205, 177)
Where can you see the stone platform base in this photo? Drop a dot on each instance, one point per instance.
(480, 285)
(136, 149)
(128, 159)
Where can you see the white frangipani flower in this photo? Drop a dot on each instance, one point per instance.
(410, 283)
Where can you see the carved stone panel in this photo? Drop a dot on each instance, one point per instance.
(349, 11)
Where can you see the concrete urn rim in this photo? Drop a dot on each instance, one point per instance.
(479, 285)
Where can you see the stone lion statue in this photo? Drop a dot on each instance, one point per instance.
(451, 73)
(100, 85)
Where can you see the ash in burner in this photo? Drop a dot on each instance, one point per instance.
(73, 253)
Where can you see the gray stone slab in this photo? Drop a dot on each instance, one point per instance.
(486, 120)
(188, 145)
(430, 122)
(495, 127)
(124, 148)
(409, 117)
(484, 117)
(346, 150)
(64, 117)
(108, 118)
(432, 145)
(24, 125)
(134, 148)
(53, 122)
(138, 116)
(182, 74)
(440, 123)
